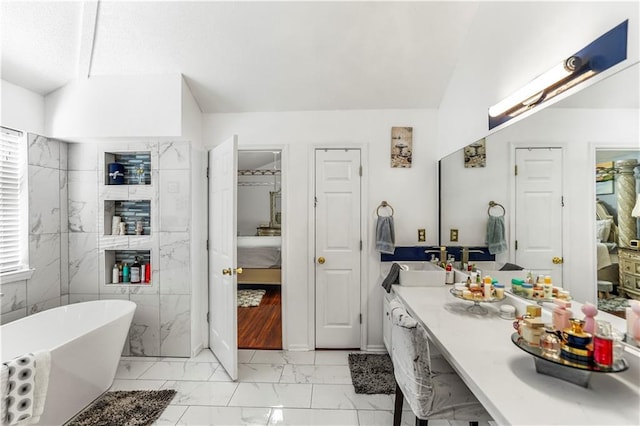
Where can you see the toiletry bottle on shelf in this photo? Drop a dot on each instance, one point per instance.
(120, 277)
(126, 277)
(448, 278)
(143, 272)
(147, 273)
(115, 274)
(135, 271)
(562, 314)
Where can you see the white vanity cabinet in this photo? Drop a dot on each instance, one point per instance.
(386, 320)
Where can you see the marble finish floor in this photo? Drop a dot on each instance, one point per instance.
(274, 388)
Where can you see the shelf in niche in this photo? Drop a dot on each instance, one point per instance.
(130, 211)
(131, 161)
(111, 257)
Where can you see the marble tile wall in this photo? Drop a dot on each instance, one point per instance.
(48, 233)
(162, 321)
(68, 245)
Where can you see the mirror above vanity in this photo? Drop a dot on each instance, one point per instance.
(557, 221)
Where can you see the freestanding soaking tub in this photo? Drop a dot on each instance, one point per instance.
(85, 341)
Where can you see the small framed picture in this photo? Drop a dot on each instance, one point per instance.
(401, 146)
(604, 178)
(475, 154)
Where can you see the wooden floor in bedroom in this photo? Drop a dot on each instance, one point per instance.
(260, 327)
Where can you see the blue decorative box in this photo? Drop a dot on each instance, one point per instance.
(116, 174)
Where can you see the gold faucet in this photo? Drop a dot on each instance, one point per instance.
(464, 258)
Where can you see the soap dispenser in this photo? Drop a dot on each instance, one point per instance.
(449, 276)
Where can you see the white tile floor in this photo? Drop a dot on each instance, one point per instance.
(274, 388)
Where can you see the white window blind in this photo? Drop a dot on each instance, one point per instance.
(12, 228)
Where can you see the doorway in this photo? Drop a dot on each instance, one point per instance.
(539, 211)
(259, 250)
(338, 248)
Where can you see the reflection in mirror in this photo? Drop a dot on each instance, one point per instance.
(617, 256)
(555, 144)
(259, 176)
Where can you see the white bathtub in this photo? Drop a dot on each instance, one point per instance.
(85, 341)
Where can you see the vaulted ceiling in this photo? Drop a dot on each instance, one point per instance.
(245, 56)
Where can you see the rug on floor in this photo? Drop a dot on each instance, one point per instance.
(130, 408)
(613, 304)
(248, 298)
(372, 373)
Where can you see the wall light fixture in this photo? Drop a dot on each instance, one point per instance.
(601, 54)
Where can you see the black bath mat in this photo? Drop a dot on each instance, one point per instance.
(372, 373)
(125, 408)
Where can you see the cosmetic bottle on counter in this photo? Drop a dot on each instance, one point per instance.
(448, 278)
(603, 344)
(562, 314)
(590, 311)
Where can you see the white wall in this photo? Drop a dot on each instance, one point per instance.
(508, 45)
(192, 132)
(412, 192)
(21, 109)
(116, 106)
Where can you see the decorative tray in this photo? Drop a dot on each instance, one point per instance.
(565, 369)
(476, 308)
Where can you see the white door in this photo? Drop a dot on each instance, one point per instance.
(223, 326)
(538, 216)
(337, 248)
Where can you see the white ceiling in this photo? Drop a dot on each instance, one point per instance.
(241, 56)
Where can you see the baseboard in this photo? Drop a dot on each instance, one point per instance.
(299, 347)
(376, 348)
(197, 350)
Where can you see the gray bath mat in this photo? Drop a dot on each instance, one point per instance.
(125, 408)
(247, 298)
(372, 373)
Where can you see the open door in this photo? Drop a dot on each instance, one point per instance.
(223, 325)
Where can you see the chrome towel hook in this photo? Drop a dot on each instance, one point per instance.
(384, 204)
(494, 204)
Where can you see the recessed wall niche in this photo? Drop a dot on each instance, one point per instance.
(120, 257)
(130, 213)
(134, 168)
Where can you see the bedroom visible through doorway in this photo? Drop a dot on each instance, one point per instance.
(259, 223)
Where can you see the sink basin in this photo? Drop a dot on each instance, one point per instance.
(491, 268)
(422, 274)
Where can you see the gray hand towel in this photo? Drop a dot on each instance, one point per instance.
(392, 277)
(385, 235)
(495, 235)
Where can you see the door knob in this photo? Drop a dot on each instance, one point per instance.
(226, 271)
(557, 260)
(238, 271)
(321, 260)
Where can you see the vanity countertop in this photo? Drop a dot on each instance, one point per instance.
(504, 378)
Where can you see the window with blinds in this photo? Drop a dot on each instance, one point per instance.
(13, 201)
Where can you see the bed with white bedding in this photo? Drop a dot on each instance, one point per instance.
(260, 259)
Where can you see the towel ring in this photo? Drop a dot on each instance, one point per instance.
(494, 204)
(384, 204)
